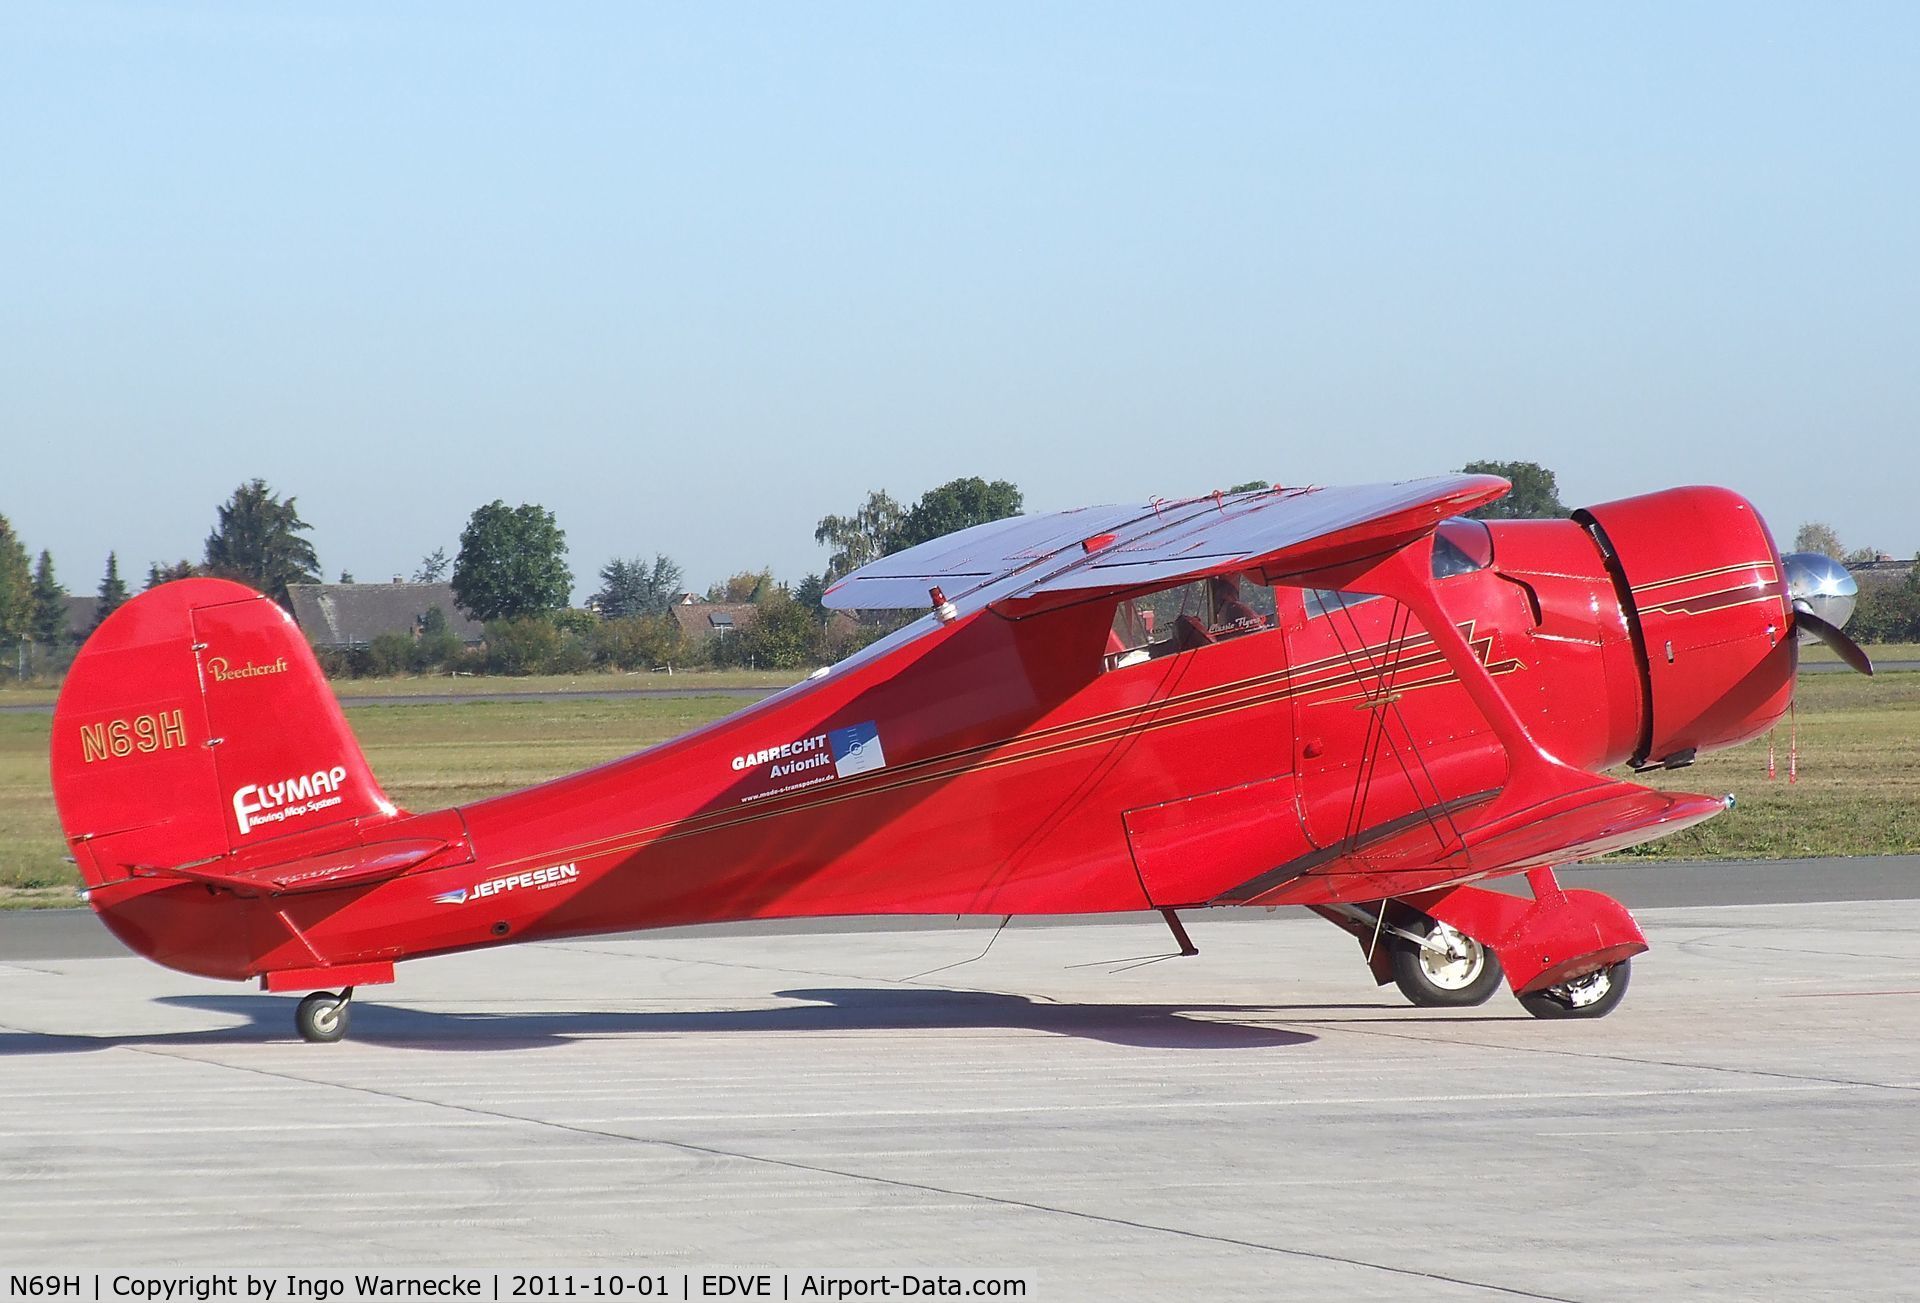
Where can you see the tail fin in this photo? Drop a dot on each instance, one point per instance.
(195, 723)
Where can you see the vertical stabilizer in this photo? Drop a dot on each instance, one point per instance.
(194, 724)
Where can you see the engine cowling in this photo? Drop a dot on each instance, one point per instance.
(1705, 592)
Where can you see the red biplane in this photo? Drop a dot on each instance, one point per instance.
(1347, 699)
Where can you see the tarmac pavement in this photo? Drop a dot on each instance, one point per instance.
(1071, 1108)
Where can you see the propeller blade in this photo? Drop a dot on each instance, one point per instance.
(1844, 647)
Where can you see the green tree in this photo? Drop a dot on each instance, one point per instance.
(633, 587)
(1535, 496)
(866, 535)
(390, 653)
(955, 505)
(782, 636)
(113, 592)
(1886, 613)
(257, 541)
(1251, 486)
(524, 644)
(636, 642)
(158, 574)
(433, 567)
(49, 604)
(16, 588)
(882, 526)
(745, 586)
(1818, 536)
(438, 644)
(811, 593)
(512, 563)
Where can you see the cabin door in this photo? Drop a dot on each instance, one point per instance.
(1222, 735)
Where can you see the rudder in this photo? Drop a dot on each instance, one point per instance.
(194, 723)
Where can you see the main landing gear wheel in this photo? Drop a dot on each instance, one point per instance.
(1592, 996)
(322, 1016)
(1446, 969)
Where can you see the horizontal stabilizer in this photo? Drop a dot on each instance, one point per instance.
(354, 866)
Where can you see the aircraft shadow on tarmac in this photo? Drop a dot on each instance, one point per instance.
(853, 1009)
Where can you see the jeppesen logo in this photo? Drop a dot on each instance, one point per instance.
(259, 803)
(555, 875)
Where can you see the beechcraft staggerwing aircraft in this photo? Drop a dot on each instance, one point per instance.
(1347, 699)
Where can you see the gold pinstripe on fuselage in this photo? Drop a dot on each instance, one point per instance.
(1328, 674)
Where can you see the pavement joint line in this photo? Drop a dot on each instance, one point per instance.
(1764, 904)
(1783, 950)
(1653, 1131)
(1365, 1028)
(1863, 1167)
(1203, 1105)
(712, 1151)
(592, 1125)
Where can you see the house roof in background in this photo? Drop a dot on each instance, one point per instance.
(81, 608)
(705, 619)
(353, 615)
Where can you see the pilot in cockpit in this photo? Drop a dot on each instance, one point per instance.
(1231, 613)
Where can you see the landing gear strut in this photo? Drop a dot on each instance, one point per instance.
(322, 1016)
(1456, 962)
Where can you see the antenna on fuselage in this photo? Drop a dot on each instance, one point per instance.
(960, 963)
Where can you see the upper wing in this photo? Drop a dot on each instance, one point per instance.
(965, 560)
(1098, 549)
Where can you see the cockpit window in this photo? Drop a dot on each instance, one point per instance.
(1324, 601)
(1193, 615)
(1460, 547)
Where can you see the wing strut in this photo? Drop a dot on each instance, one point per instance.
(1411, 577)
(1383, 705)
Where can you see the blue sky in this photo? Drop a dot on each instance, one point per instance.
(694, 276)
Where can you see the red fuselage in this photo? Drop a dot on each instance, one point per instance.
(1003, 765)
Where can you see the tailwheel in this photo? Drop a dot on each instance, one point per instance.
(1444, 968)
(1592, 996)
(322, 1016)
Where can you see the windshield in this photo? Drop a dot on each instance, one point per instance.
(1460, 547)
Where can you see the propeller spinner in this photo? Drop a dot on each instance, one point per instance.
(1823, 594)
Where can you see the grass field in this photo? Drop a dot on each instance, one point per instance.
(1858, 791)
(427, 757)
(444, 685)
(1818, 654)
(472, 684)
(1856, 795)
